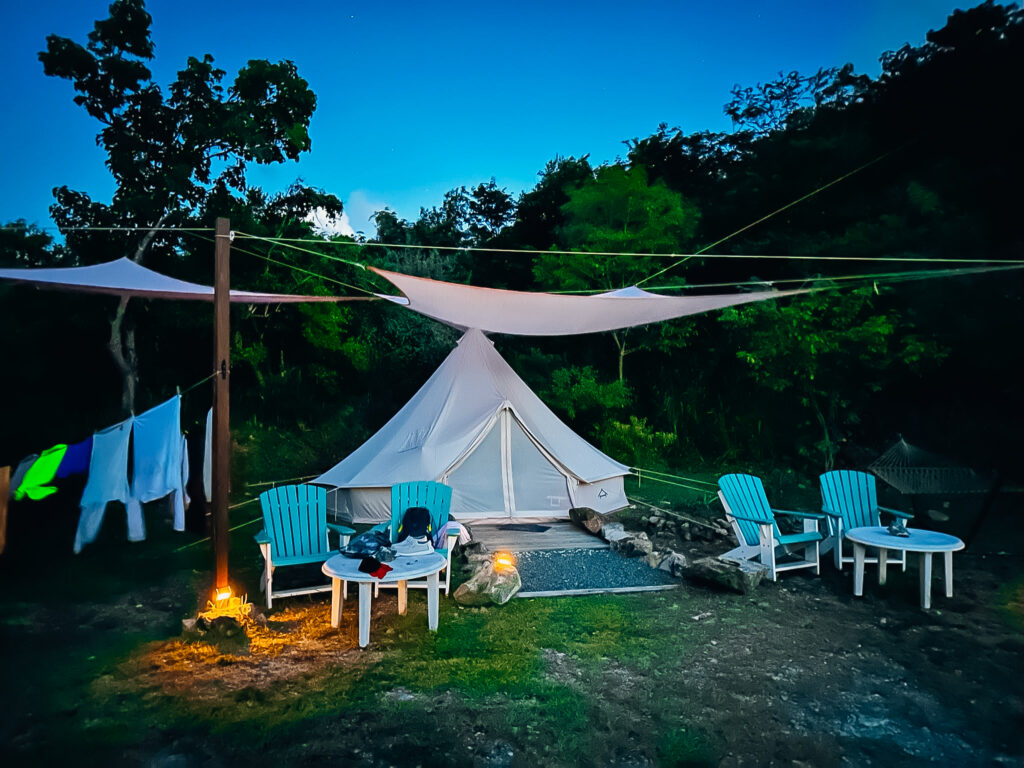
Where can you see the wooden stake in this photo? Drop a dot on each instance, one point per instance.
(222, 368)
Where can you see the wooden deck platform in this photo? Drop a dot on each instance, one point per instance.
(509, 535)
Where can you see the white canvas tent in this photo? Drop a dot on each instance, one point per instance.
(476, 426)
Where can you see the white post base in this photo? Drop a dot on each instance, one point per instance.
(433, 588)
(364, 613)
(926, 580)
(336, 603)
(858, 569)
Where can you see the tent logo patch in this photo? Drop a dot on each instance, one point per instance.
(602, 494)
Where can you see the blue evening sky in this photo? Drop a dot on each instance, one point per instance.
(415, 98)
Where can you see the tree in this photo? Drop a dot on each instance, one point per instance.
(24, 245)
(692, 164)
(768, 107)
(167, 153)
(830, 350)
(539, 212)
(617, 211)
(490, 210)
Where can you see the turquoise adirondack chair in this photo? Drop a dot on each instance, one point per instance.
(753, 521)
(295, 532)
(437, 499)
(849, 500)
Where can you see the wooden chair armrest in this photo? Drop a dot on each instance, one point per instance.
(262, 537)
(343, 530)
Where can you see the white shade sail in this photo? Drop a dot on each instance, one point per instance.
(123, 277)
(521, 313)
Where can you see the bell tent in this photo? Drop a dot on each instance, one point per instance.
(476, 426)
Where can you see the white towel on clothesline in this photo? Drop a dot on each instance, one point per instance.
(158, 459)
(108, 481)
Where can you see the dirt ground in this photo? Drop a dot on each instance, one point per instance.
(798, 673)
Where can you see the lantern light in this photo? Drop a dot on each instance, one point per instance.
(504, 561)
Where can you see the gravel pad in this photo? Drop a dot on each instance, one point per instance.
(585, 569)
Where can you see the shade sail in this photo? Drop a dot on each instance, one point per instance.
(522, 313)
(124, 277)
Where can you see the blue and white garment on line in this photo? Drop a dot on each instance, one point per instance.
(108, 481)
(157, 455)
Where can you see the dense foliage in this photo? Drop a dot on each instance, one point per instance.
(811, 382)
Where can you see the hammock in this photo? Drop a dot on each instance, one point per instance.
(911, 470)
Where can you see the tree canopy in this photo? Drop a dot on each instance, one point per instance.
(855, 173)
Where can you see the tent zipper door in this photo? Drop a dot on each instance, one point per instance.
(507, 482)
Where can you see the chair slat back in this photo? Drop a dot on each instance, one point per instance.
(852, 496)
(295, 518)
(744, 495)
(436, 497)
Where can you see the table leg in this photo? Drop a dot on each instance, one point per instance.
(858, 569)
(403, 597)
(364, 613)
(433, 589)
(948, 556)
(926, 580)
(336, 603)
(883, 562)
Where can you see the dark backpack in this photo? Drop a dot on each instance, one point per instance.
(415, 523)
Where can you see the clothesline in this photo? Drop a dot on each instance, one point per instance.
(280, 482)
(25, 228)
(788, 205)
(232, 529)
(158, 448)
(881, 277)
(678, 485)
(647, 472)
(202, 381)
(321, 276)
(869, 277)
(287, 242)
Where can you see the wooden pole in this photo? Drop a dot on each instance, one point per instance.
(221, 469)
(5, 489)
